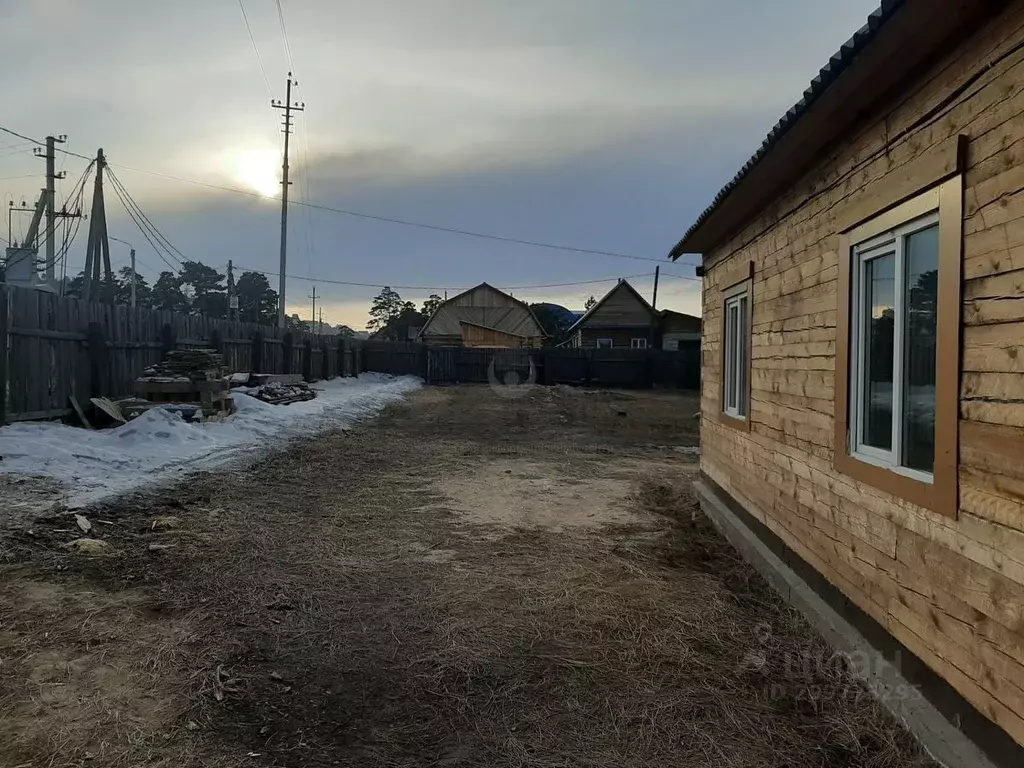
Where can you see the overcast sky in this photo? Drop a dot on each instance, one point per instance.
(597, 124)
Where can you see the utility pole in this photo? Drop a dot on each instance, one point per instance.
(131, 301)
(321, 331)
(98, 246)
(288, 108)
(51, 176)
(654, 306)
(313, 321)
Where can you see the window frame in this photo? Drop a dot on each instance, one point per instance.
(609, 345)
(737, 282)
(892, 242)
(942, 204)
(638, 342)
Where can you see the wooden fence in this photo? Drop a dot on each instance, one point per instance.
(552, 365)
(53, 348)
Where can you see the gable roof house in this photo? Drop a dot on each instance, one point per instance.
(863, 352)
(624, 318)
(483, 317)
(621, 318)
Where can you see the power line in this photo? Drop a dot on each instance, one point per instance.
(21, 136)
(168, 245)
(134, 215)
(74, 154)
(257, 50)
(284, 36)
(442, 287)
(76, 198)
(374, 217)
(403, 222)
(310, 252)
(680, 277)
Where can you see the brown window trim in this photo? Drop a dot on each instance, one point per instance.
(741, 273)
(941, 494)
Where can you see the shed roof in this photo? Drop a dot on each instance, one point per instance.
(516, 317)
(898, 38)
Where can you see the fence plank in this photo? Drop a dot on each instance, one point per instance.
(5, 324)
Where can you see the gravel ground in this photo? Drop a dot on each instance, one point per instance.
(480, 577)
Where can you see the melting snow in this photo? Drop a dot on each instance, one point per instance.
(159, 444)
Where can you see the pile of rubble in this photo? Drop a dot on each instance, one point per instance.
(188, 377)
(187, 365)
(279, 393)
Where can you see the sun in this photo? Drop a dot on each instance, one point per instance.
(257, 169)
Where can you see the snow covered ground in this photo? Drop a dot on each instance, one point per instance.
(159, 445)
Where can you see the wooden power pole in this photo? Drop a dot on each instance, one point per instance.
(51, 236)
(288, 108)
(312, 325)
(98, 245)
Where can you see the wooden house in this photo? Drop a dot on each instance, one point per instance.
(624, 319)
(621, 318)
(863, 347)
(677, 329)
(483, 317)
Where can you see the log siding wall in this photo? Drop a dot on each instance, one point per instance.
(949, 589)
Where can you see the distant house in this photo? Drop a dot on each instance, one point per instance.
(483, 317)
(624, 319)
(677, 328)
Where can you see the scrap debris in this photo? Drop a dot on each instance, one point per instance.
(191, 364)
(278, 393)
(190, 376)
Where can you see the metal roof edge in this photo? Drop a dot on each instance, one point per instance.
(837, 64)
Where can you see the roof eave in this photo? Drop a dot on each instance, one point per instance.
(898, 38)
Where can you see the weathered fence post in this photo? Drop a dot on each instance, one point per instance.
(341, 355)
(288, 344)
(307, 360)
(215, 340)
(256, 357)
(97, 346)
(5, 323)
(167, 340)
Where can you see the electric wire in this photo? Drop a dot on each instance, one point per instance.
(440, 287)
(120, 192)
(252, 39)
(169, 247)
(284, 36)
(78, 193)
(403, 222)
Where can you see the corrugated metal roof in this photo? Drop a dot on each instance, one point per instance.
(839, 62)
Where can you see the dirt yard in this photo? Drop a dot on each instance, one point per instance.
(471, 580)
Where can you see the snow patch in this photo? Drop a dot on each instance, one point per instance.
(158, 445)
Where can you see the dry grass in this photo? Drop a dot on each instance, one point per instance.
(330, 606)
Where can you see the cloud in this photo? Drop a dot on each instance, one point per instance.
(596, 123)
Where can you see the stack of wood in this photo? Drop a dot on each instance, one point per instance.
(188, 376)
(277, 393)
(193, 364)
